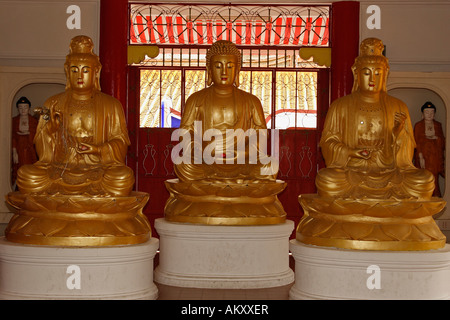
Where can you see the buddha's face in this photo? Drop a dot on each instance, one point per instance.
(371, 77)
(428, 114)
(224, 69)
(82, 75)
(23, 108)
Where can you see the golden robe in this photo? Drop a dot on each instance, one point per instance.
(61, 169)
(247, 114)
(389, 172)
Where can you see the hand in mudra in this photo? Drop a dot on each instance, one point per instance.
(86, 148)
(399, 122)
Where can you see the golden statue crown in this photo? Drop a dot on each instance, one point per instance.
(371, 47)
(82, 44)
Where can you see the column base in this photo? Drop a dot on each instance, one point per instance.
(225, 257)
(69, 273)
(326, 273)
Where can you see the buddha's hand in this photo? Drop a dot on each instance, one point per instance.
(399, 123)
(54, 118)
(361, 153)
(86, 148)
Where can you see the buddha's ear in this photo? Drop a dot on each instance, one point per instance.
(236, 80)
(66, 71)
(97, 77)
(355, 79)
(386, 76)
(209, 80)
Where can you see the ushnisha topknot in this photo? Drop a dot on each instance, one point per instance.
(428, 105)
(371, 47)
(23, 100)
(222, 47)
(81, 44)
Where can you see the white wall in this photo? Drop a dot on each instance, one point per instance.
(414, 32)
(35, 33)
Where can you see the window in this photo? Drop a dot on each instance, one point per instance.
(271, 66)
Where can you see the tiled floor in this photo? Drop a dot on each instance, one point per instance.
(180, 293)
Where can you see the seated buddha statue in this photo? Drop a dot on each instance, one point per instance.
(82, 142)
(205, 187)
(368, 140)
(368, 146)
(223, 106)
(79, 192)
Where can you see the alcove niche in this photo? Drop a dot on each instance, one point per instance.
(37, 93)
(415, 99)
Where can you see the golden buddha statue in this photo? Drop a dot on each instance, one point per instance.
(370, 195)
(79, 192)
(231, 187)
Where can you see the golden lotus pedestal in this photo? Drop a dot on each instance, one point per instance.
(369, 249)
(369, 224)
(225, 203)
(78, 221)
(77, 247)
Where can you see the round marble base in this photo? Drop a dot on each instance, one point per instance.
(338, 274)
(239, 257)
(107, 272)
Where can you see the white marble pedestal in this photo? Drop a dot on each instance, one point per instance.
(205, 256)
(46, 272)
(331, 273)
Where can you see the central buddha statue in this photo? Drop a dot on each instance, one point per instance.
(79, 192)
(230, 188)
(370, 195)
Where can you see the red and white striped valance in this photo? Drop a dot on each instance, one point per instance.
(243, 25)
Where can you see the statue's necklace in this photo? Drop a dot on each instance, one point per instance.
(81, 105)
(429, 126)
(365, 107)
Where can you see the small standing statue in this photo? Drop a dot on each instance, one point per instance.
(370, 195)
(228, 188)
(23, 131)
(430, 149)
(79, 192)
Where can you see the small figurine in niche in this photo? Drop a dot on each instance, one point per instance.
(23, 130)
(430, 142)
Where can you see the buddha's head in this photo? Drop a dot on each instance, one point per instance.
(23, 106)
(371, 67)
(223, 63)
(82, 66)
